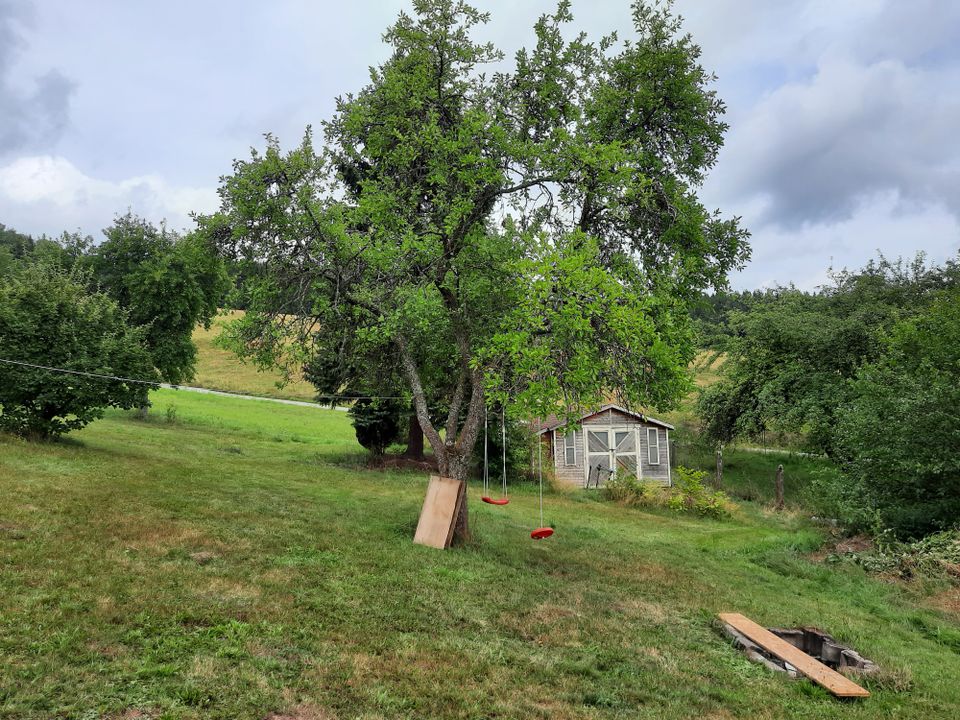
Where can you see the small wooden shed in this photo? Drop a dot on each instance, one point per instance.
(612, 440)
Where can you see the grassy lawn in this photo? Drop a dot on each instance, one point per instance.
(232, 559)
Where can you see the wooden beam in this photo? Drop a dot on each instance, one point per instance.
(814, 669)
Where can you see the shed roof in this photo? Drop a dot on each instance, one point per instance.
(553, 422)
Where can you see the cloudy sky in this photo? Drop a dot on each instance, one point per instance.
(843, 115)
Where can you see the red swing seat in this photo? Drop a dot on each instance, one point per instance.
(541, 533)
(492, 501)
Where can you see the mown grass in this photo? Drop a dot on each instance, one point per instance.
(220, 369)
(226, 564)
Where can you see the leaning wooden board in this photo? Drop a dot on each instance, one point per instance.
(439, 512)
(813, 669)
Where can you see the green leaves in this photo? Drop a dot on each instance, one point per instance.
(898, 435)
(529, 236)
(168, 284)
(793, 354)
(47, 318)
(580, 332)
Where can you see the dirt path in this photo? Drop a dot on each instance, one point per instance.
(241, 396)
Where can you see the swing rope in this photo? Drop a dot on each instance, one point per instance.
(486, 464)
(486, 461)
(541, 532)
(540, 473)
(503, 428)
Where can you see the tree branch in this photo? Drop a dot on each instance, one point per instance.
(420, 402)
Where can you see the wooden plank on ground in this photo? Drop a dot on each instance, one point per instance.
(814, 669)
(439, 512)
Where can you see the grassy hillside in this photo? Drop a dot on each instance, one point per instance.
(231, 559)
(220, 369)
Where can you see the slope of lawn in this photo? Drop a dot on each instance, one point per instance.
(233, 559)
(219, 369)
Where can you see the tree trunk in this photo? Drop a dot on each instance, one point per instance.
(414, 439)
(453, 452)
(457, 466)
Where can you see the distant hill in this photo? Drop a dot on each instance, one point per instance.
(219, 369)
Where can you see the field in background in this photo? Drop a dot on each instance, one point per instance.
(748, 474)
(220, 369)
(231, 559)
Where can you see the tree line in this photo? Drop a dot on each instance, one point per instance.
(125, 307)
(865, 370)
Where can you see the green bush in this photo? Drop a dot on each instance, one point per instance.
(47, 318)
(377, 422)
(688, 494)
(631, 491)
(897, 437)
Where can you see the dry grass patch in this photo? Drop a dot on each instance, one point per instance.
(947, 601)
(650, 613)
(303, 711)
(220, 369)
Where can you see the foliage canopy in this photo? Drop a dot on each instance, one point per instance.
(48, 318)
(530, 237)
(793, 354)
(168, 284)
(897, 435)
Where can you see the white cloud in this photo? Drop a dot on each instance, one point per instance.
(815, 149)
(884, 222)
(49, 194)
(842, 114)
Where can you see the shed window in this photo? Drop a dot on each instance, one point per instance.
(570, 448)
(653, 446)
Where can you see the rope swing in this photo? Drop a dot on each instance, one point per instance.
(541, 532)
(486, 464)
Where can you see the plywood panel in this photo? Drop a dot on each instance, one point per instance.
(813, 669)
(439, 512)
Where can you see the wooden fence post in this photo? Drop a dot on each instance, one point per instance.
(719, 466)
(779, 487)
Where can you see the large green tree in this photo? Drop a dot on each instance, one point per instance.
(166, 282)
(48, 318)
(898, 437)
(792, 354)
(530, 236)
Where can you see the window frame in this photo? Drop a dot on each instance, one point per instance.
(570, 443)
(651, 446)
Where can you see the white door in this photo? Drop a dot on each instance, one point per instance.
(611, 451)
(625, 452)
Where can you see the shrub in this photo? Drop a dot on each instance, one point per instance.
(48, 319)
(688, 494)
(377, 423)
(631, 491)
(896, 439)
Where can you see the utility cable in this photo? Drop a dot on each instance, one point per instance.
(175, 386)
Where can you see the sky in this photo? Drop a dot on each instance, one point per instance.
(843, 115)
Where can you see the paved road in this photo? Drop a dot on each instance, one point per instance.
(241, 396)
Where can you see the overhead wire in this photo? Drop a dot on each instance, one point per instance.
(177, 386)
